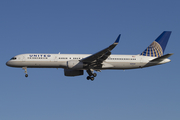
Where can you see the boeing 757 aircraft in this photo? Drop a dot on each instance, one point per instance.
(75, 64)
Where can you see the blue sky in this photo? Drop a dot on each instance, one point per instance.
(82, 26)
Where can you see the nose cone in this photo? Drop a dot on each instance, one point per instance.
(8, 63)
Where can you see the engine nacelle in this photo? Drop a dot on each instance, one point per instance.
(69, 72)
(74, 64)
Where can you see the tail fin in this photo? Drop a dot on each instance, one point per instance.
(157, 48)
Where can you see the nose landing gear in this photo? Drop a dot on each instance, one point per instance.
(25, 71)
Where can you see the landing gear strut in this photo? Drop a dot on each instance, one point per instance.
(91, 75)
(25, 71)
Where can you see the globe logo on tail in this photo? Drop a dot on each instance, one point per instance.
(153, 50)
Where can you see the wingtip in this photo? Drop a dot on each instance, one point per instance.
(117, 40)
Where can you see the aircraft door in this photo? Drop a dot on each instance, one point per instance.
(141, 62)
(55, 58)
(23, 59)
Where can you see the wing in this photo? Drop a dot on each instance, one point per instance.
(97, 58)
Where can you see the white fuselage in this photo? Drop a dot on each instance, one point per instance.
(75, 64)
(61, 60)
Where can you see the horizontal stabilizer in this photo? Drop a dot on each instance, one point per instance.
(159, 59)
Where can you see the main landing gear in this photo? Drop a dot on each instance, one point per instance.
(25, 71)
(91, 75)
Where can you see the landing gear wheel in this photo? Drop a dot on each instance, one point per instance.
(92, 78)
(26, 75)
(91, 74)
(88, 77)
(25, 71)
(94, 75)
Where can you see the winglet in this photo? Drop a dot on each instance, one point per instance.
(117, 40)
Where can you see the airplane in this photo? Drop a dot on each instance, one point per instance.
(76, 64)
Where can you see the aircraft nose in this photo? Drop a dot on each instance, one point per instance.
(8, 63)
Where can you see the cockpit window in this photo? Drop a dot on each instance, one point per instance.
(14, 58)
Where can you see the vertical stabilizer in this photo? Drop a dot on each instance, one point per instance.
(157, 48)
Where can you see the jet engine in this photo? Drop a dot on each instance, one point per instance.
(69, 72)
